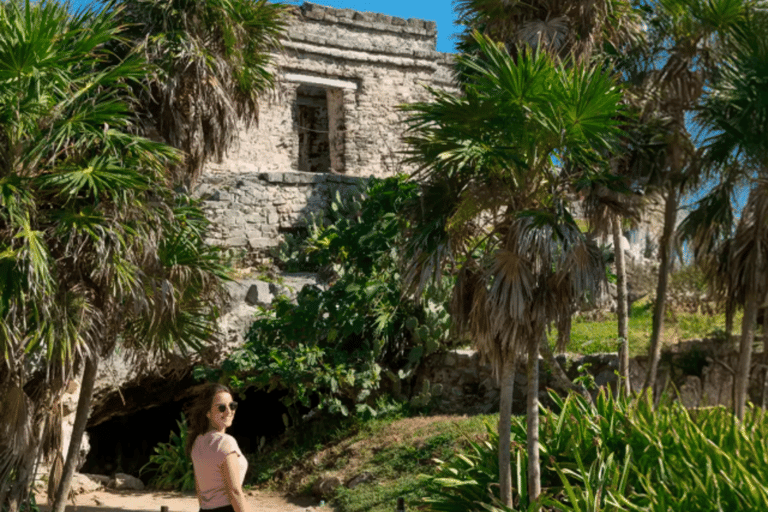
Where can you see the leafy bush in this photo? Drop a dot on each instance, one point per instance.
(170, 464)
(622, 455)
(331, 349)
(298, 250)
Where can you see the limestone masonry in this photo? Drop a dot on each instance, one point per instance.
(331, 120)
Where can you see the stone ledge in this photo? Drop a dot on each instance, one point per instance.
(301, 177)
(362, 56)
(242, 180)
(377, 21)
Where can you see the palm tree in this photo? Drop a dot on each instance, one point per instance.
(493, 207)
(571, 31)
(568, 30)
(737, 109)
(685, 48)
(210, 61)
(95, 249)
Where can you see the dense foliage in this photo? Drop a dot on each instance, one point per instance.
(334, 346)
(621, 455)
(96, 249)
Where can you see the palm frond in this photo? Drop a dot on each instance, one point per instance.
(211, 60)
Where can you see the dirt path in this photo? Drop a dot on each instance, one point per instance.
(151, 501)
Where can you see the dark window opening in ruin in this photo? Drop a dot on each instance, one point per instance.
(320, 118)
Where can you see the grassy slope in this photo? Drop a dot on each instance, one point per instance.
(590, 337)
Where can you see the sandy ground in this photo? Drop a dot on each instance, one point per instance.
(151, 501)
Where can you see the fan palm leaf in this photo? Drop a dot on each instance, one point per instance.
(493, 204)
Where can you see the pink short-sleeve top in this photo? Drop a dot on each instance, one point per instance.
(208, 454)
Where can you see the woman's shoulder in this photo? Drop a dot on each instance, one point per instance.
(222, 441)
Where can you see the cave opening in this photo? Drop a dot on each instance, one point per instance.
(124, 443)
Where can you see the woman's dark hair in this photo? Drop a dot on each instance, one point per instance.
(197, 421)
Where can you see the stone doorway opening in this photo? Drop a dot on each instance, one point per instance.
(312, 112)
(320, 128)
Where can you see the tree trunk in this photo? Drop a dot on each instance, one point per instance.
(505, 429)
(741, 379)
(19, 453)
(621, 308)
(665, 263)
(78, 429)
(765, 335)
(730, 307)
(564, 326)
(559, 377)
(532, 416)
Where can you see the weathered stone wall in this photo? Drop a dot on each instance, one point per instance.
(368, 64)
(250, 210)
(699, 373)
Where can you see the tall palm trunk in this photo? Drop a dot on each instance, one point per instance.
(665, 264)
(564, 326)
(78, 429)
(741, 379)
(621, 306)
(764, 357)
(505, 429)
(532, 417)
(730, 307)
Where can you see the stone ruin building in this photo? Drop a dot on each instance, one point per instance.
(332, 119)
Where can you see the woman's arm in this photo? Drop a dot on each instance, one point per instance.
(197, 491)
(231, 470)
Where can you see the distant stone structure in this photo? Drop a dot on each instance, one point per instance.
(332, 119)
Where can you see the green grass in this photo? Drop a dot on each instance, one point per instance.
(591, 337)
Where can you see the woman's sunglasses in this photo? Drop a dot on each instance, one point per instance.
(223, 407)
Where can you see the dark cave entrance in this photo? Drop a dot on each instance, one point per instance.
(123, 444)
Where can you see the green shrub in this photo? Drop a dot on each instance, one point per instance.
(331, 349)
(171, 467)
(302, 250)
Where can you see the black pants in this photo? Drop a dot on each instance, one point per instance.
(228, 508)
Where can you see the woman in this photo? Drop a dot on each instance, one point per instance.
(219, 464)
